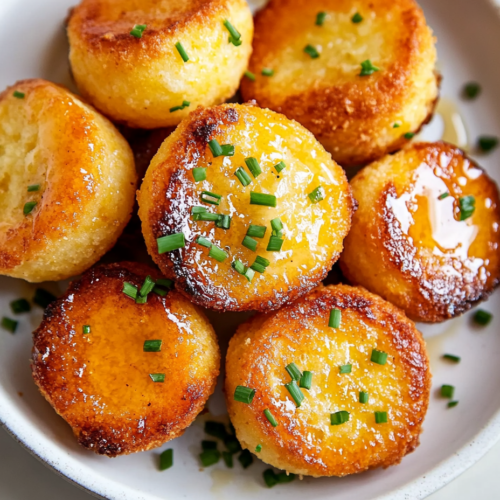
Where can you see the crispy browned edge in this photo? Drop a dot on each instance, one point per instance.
(406, 339)
(102, 439)
(190, 143)
(325, 109)
(426, 305)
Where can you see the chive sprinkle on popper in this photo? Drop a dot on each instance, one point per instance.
(199, 174)
(339, 417)
(270, 417)
(250, 243)
(335, 318)
(130, 290)
(320, 18)
(256, 231)
(20, 306)
(167, 459)
(138, 30)
(345, 369)
(258, 448)
(380, 417)
(447, 391)
(242, 176)
(182, 51)
(452, 357)
(260, 264)
(482, 317)
(220, 150)
(224, 222)
(295, 392)
(367, 68)
(267, 72)
(147, 286)
(378, 357)
(293, 371)
(211, 198)
(251, 76)
(171, 242)
(357, 18)
(217, 253)
(245, 458)
(311, 51)
(157, 377)
(253, 166)
(443, 196)
(409, 135)
(265, 200)
(29, 207)
(244, 394)
(185, 104)
(152, 345)
(275, 244)
(19, 95)
(277, 227)
(232, 30)
(467, 205)
(279, 166)
(86, 329)
(306, 380)
(363, 397)
(317, 195)
(33, 187)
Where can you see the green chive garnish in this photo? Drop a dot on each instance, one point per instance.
(197, 210)
(216, 429)
(206, 217)
(482, 317)
(279, 166)
(295, 392)
(253, 166)
(244, 394)
(443, 196)
(147, 286)
(381, 417)
(235, 42)
(228, 459)
(277, 226)
(86, 329)
(409, 135)
(250, 75)
(9, 324)
(250, 243)
(452, 357)
(224, 222)
(33, 187)
(138, 30)
(293, 371)
(471, 90)
(258, 448)
(345, 369)
(28, 207)
(265, 200)
(20, 306)
(217, 254)
(452, 404)
(165, 282)
(396, 125)
(232, 444)
(227, 150)
(270, 418)
(270, 478)
(378, 357)
(218, 150)
(19, 95)
(209, 457)
(267, 72)
(320, 18)
(447, 391)
(256, 231)
(258, 268)
(152, 345)
(274, 244)
(249, 274)
(363, 397)
(311, 51)
(141, 299)
(367, 68)
(167, 459)
(317, 194)
(232, 30)
(467, 206)
(159, 291)
(339, 417)
(245, 458)
(171, 242)
(157, 377)
(487, 143)
(238, 266)
(260, 264)
(357, 18)
(182, 51)
(203, 242)
(212, 198)
(199, 174)
(185, 104)
(262, 261)
(130, 290)
(43, 298)
(335, 317)
(242, 176)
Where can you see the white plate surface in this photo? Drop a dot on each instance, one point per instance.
(33, 44)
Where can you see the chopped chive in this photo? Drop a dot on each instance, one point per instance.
(396, 125)
(250, 75)
(258, 448)
(185, 104)
(345, 369)
(378, 357)
(33, 187)
(235, 42)
(159, 291)
(311, 51)
(363, 397)
(182, 51)
(215, 429)
(335, 317)
(443, 196)
(206, 217)
(487, 143)
(9, 324)
(208, 445)
(270, 417)
(409, 135)
(295, 392)
(260, 264)
(274, 244)
(165, 282)
(267, 72)
(381, 417)
(250, 243)
(452, 357)
(256, 231)
(339, 417)
(244, 394)
(262, 261)
(86, 329)
(28, 207)
(138, 30)
(277, 226)
(270, 478)
(357, 18)
(257, 267)
(279, 166)
(198, 210)
(306, 380)
(217, 253)
(147, 286)
(452, 404)
(232, 30)
(265, 200)
(482, 317)
(245, 459)
(227, 150)
(152, 345)
(43, 298)
(167, 459)
(19, 95)
(157, 377)
(242, 176)
(249, 274)
(447, 391)
(285, 477)
(467, 206)
(320, 18)
(170, 242)
(199, 174)
(232, 444)
(253, 166)
(218, 150)
(209, 457)
(293, 371)
(203, 242)
(141, 299)
(20, 306)
(316, 195)
(238, 266)
(224, 222)
(227, 456)
(212, 198)
(367, 68)
(471, 90)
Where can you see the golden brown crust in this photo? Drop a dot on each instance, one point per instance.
(410, 247)
(87, 180)
(351, 115)
(168, 194)
(99, 382)
(304, 442)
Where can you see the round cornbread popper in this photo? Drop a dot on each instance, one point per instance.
(359, 74)
(244, 209)
(148, 63)
(126, 363)
(333, 384)
(426, 234)
(67, 183)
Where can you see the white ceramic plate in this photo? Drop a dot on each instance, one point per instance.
(33, 44)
